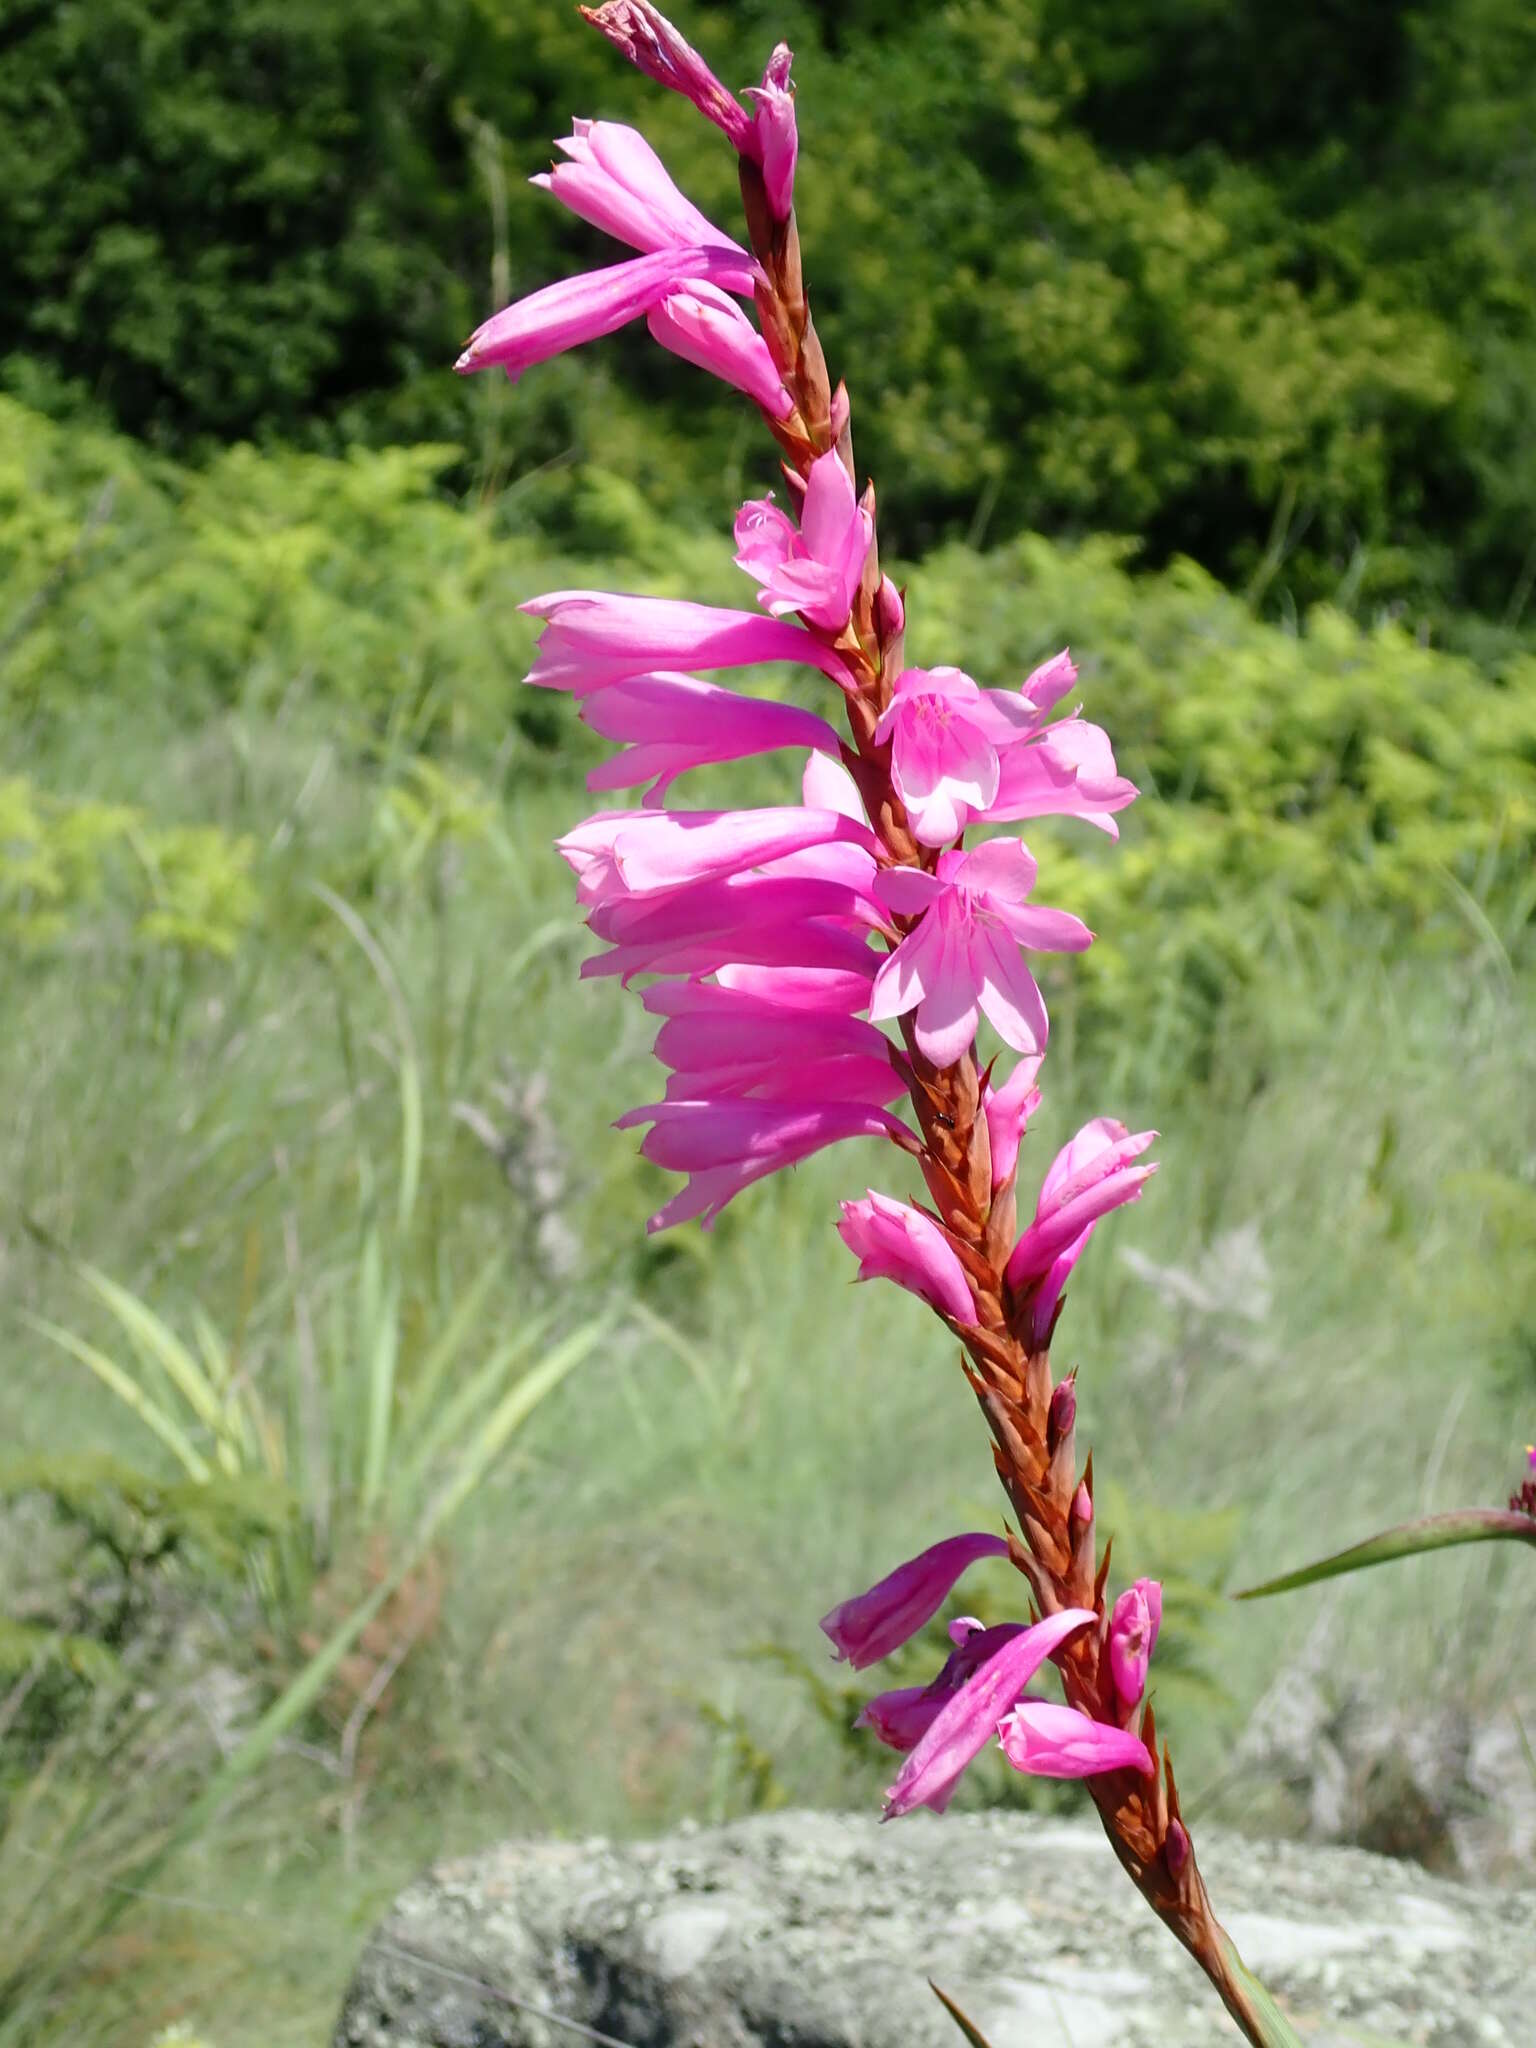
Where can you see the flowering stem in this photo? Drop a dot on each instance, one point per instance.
(1055, 1548)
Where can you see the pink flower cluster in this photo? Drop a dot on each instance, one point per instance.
(776, 943)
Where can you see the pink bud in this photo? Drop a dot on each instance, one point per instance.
(1049, 1741)
(643, 34)
(1063, 1410)
(776, 143)
(1132, 1636)
(890, 612)
(1082, 1506)
(1176, 1848)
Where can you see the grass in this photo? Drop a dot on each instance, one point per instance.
(1317, 1321)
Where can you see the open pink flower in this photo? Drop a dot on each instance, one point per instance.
(1067, 770)
(963, 957)
(1050, 1741)
(672, 722)
(1008, 1110)
(725, 1145)
(593, 637)
(894, 1242)
(871, 1625)
(945, 734)
(643, 34)
(615, 180)
(777, 143)
(814, 570)
(1089, 1176)
(582, 308)
(700, 323)
(969, 1719)
(902, 1717)
(1133, 1627)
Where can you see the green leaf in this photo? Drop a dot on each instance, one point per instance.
(128, 1391)
(1432, 1532)
(1266, 2025)
(969, 2028)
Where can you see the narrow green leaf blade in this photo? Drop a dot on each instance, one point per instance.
(969, 2028)
(129, 1392)
(1407, 1539)
(1264, 2023)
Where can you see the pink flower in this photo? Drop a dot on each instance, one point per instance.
(1050, 1741)
(1008, 1110)
(616, 181)
(945, 733)
(963, 956)
(1066, 771)
(723, 1146)
(720, 1041)
(592, 637)
(871, 1625)
(582, 308)
(1088, 1177)
(674, 722)
(630, 853)
(968, 1721)
(776, 141)
(815, 570)
(706, 328)
(802, 988)
(784, 919)
(901, 1718)
(892, 1242)
(1133, 1628)
(960, 753)
(643, 34)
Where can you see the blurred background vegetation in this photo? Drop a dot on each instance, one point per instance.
(372, 1486)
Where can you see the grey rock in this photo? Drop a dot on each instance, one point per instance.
(813, 1930)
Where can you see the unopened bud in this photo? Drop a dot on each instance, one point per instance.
(841, 410)
(1176, 1848)
(1063, 1413)
(1082, 1505)
(890, 612)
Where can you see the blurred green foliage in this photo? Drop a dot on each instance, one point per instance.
(1324, 771)
(1256, 288)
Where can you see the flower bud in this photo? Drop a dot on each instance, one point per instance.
(1063, 1411)
(1082, 1507)
(1176, 1848)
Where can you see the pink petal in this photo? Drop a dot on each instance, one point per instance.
(970, 1720)
(1008, 992)
(1008, 1110)
(706, 328)
(947, 1015)
(1045, 930)
(871, 1625)
(1133, 1631)
(1002, 870)
(593, 637)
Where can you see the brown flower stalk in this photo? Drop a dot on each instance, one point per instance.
(1055, 1547)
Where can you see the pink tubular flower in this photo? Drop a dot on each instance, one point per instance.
(725, 1145)
(815, 570)
(777, 143)
(1088, 1177)
(901, 1718)
(892, 1242)
(945, 734)
(706, 328)
(719, 1041)
(871, 1625)
(582, 308)
(593, 637)
(960, 753)
(615, 180)
(1050, 1741)
(674, 722)
(1066, 771)
(963, 955)
(1133, 1631)
(643, 34)
(968, 1721)
(1008, 1110)
(632, 853)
